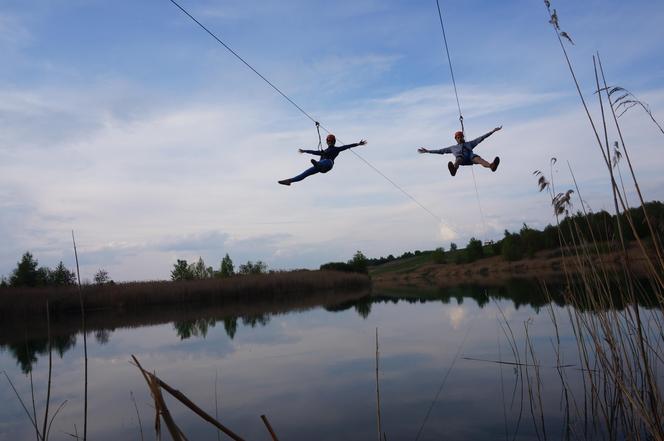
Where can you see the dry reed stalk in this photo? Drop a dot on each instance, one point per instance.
(57, 411)
(32, 395)
(85, 342)
(216, 401)
(160, 406)
(511, 339)
(138, 415)
(614, 185)
(655, 273)
(50, 369)
(27, 412)
(269, 428)
(538, 382)
(631, 169)
(378, 420)
(156, 382)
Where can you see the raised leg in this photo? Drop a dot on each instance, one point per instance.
(481, 161)
(454, 166)
(308, 172)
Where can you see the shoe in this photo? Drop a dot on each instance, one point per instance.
(494, 164)
(285, 182)
(451, 168)
(315, 164)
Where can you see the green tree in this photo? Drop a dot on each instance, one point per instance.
(230, 325)
(181, 271)
(199, 270)
(359, 263)
(226, 269)
(453, 247)
(26, 272)
(61, 276)
(101, 277)
(438, 255)
(474, 250)
(252, 268)
(363, 307)
(511, 247)
(532, 240)
(338, 266)
(3, 282)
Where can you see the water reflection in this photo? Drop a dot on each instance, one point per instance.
(519, 292)
(311, 370)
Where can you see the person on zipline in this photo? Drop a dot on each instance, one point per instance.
(326, 162)
(463, 151)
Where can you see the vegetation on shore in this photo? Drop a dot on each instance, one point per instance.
(26, 301)
(527, 242)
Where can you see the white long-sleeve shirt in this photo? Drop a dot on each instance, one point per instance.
(463, 149)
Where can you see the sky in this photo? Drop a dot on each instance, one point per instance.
(126, 123)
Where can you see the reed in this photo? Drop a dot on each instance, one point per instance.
(27, 302)
(619, 350)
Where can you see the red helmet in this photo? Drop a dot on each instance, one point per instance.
(331, 139)
(458, 134)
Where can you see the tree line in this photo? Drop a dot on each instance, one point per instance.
(29, 273)
(182, 270)
(358, 264)
(599, 228)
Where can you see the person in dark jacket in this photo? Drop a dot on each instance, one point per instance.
(326, 162)
(463, 152)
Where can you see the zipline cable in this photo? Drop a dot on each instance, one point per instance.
(456, 94)
(229, 49)
(479, 203)
(449, 61)
(442, 384)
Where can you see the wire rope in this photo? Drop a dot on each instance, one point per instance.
(449, 61)
(456, 94)
(442, 384)
(305, 113)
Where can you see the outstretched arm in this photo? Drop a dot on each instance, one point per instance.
(350, 146)
(311, 152)
(439, 151)
(476, 141)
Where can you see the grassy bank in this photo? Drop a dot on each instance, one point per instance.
(24, 303)
(422, 271)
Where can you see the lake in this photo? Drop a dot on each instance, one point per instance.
(312, 372)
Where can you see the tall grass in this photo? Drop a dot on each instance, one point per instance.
(619, 350)
(28, 302)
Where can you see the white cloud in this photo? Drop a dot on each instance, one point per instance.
(145, 179)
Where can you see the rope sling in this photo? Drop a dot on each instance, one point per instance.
(456, 94)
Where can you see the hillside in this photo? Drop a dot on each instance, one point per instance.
(494, 270)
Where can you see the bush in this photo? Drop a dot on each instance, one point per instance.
(359, 263)
(474, 250)
(338, 266)
(511, 247)
(438, 255)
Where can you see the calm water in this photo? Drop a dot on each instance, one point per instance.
(311, 372)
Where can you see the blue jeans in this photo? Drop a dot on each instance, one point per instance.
(324, 166)
(466, 157)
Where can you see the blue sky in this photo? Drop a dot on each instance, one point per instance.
(125, 122)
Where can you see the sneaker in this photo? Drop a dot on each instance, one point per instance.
(285, 182)
(451, 168)
(494, 164)
(315, 164)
